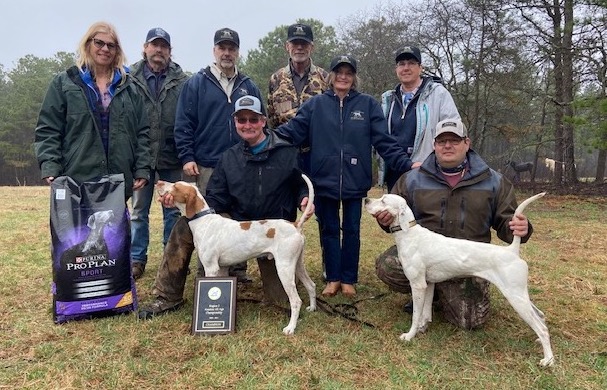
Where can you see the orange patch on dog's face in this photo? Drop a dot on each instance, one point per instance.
(271, 233)
(245, 225)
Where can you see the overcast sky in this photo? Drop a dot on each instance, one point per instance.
(44, 27)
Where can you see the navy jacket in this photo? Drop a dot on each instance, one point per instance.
(340, 135)
(204, 127)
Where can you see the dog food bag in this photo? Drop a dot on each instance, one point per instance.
(90, 249)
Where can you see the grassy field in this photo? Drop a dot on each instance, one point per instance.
(567, 258)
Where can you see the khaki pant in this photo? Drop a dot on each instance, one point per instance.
(464, 302)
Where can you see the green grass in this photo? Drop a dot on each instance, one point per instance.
(567, 259)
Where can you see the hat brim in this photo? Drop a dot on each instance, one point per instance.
(299, 39)
(153, 39)
(247, 109)
(343, 63)
(405, 56)
(227, 40)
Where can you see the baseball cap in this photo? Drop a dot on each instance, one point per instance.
(248, 102)
(226, 34)
(300, 31)
(409, 51)
(345, 59)
(158, 33)
(454, 126)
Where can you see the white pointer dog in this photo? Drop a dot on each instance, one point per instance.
(221, 242)
(428, 258)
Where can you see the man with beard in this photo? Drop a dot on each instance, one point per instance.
(159, 81)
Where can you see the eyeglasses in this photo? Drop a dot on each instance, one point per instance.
(409, 63)
(100, 43)
(452, 141)
(243, 120)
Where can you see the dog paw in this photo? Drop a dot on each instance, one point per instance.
(406, 336)
(311, 308)
(547, 361)
(288, 330)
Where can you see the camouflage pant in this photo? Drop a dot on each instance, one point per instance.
(464, 302)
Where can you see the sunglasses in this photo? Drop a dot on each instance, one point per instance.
(100, 43)
(253, 120)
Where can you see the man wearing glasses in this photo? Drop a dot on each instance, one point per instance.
(258, 178)
(204, 128)
(414, 107)
(456, 194)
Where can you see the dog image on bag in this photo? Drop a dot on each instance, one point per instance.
(94, 243)
(428, 258)
(221, 242)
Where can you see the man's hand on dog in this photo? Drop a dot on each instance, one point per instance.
(302, 207)
(519, 225)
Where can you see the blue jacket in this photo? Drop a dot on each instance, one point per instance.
(204, 128)
(340, 135)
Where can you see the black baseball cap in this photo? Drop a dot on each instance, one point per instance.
(409, 51)
(226, 35)
(344, 59)
(300, 31)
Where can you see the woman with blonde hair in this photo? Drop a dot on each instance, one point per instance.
(92, 120)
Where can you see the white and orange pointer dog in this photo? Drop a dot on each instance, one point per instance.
(428, 258)
(221, 242)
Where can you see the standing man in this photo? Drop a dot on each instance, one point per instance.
(298, 81)
(158, 81)
(292, 85)
(414, 107)
(204, 128)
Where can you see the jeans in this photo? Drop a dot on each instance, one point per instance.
(341, 256)
(140, 221)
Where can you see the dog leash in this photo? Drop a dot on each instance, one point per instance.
(348, 311)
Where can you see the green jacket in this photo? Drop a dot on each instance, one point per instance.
(67, 138)
(161, 113)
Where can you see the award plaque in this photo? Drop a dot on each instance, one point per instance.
(214, 305)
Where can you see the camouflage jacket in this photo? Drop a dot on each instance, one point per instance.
(283, 100)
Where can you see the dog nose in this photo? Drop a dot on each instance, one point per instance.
(366, 200)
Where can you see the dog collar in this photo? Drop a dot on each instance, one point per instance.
(202, 214)
(398, 228)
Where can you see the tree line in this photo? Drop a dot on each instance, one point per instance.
(528, 77)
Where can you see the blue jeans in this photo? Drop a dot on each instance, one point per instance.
(341, 256)
(140, 221)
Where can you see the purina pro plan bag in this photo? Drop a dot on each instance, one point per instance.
(90, 249)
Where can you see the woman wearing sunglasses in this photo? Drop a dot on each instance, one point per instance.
(92, 121)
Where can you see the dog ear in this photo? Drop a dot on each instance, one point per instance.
(91, 221)
(189, 194)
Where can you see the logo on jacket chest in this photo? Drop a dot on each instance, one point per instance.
(357, 116)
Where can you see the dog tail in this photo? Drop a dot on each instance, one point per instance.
(516, 242)
(304, 216)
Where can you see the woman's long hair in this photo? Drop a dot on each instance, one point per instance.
(84, 58)
(331, 80)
